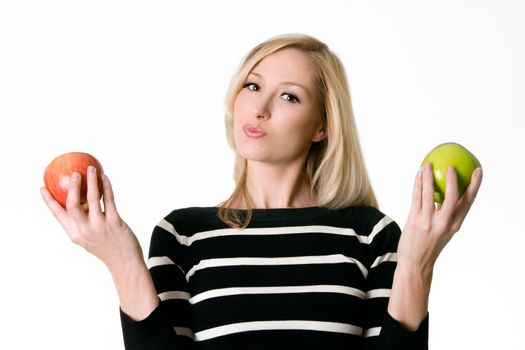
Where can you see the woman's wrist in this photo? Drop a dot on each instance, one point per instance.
(135, 288)
(122, 265)
(421, 272)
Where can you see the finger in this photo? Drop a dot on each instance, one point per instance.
(415, 209)
(73, 197)
(93, 192)
(427, 196)
(56, 209)
(451, 192)
(108, 197)
(466, 201)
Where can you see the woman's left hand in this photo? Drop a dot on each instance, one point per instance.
(430, 227)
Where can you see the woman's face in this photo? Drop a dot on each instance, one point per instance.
(276, 115)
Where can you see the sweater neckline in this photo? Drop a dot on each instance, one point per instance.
(279, 213)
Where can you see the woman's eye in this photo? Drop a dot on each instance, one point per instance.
(252, 86)
(290, 98)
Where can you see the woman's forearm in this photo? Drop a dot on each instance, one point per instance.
(135, 288)
(409, 296)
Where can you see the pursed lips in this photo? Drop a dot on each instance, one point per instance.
(253, 131)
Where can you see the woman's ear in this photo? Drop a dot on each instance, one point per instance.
(319, 135)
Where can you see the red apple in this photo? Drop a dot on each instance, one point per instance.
(58, 174)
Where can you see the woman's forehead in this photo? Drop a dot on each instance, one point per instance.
(287, 65)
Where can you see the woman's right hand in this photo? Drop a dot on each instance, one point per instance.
(101, 232)
(104, 234)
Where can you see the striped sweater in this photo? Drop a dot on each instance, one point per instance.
(296, 278)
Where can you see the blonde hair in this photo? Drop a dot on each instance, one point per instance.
(335, 167)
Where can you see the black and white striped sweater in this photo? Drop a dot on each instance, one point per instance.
(296, 278)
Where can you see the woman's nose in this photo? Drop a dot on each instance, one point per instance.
(262, 108)
(263, 116)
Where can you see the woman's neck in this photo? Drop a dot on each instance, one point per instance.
(274, 186)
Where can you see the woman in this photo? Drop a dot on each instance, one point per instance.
(299, 256)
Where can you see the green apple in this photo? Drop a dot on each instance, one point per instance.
(451, 154)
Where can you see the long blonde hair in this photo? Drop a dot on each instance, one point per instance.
(335, 167)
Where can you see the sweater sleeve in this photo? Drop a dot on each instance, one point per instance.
(169, 325)
(381, 331)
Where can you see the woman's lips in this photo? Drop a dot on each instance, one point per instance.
(253, 131)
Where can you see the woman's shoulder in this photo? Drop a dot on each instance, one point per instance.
(185, 211)
(359, 213)
(363, 219)
(189, 220)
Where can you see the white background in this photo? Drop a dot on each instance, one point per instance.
(140, 84)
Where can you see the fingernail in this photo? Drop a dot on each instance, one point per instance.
(75, 176)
